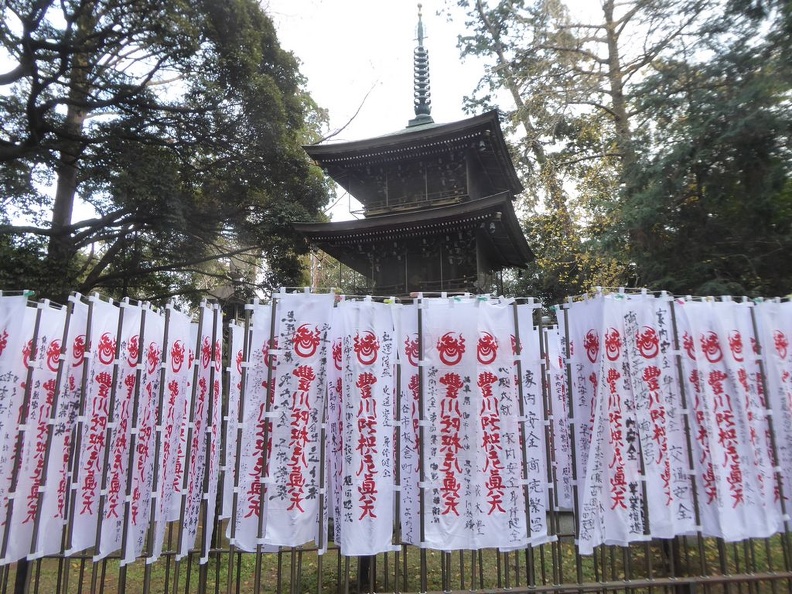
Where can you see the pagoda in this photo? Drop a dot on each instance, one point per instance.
(437, 202)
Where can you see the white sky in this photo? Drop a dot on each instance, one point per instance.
(351, 48)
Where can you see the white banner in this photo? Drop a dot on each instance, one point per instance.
(368, 390)
(558, 400)
(406, 328)
(236, 351)
(501, 504)
(449, 448)
(528, 375)
(612, 500)
(212, 440)
(293, 480)
(124, 401)
(43, 363)
(774, 320)
(474, 495)
(177, 355)
(144, 433)
(580, 329)
(53, 505)
(659, 413)
(739, 481)
(93, 428)
(202, 425)
(16, 332)
(335, 424)
(246, 530)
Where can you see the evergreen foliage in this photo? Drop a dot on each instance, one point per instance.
(655, 140)
(180, 123)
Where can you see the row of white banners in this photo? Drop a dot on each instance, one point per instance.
(450, 423)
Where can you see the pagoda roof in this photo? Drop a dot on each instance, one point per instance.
(482, 132)
(496, 211)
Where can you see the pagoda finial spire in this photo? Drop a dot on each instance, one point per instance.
(421, 96)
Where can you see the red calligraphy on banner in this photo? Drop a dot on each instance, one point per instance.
(39, 449)
(263, 445)
(411, 349)
(306, 341)
(451, 347)
(206, 352)
(487, 349)
(710, 346)
(736, 345)
(491, 434)
(300, 415)
(450, 444)
(198, 429)
(702, 437)
(366, 348)
(414, 387)
(153, 357)
(648, 343)
(613, 344)
(657, 414)
(689, 345)
(781, 343)
(254, 491)
(133, 350)
(106, 349)
(727, 435)
(143, 448)
(170, 426)
(367, 443)
(177, 356)
(95, 442)
(78, 350)
(618, 482)
(53, 355)
(117, 465)
(27, 354)
(591, 345)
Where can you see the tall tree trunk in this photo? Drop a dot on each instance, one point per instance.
(621, 118)
(547, 170)
(61, 249)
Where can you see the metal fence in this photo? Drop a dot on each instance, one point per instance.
(683, 565)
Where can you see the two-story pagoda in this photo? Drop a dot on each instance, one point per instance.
(437, 202)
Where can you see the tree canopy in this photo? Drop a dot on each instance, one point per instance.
(154, 149)
(177, 126)
(654, 138)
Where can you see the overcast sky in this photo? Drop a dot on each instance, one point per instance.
(358, 55)
(351, 48)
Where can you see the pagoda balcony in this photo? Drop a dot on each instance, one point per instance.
(465, 284)
(413, 202)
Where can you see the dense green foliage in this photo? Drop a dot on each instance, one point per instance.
(181, 125)
(654, 136)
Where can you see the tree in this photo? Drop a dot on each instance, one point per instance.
(712, 210)
(179, 123)
(608, 149)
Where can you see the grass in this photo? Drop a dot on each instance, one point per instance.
(644, 567)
